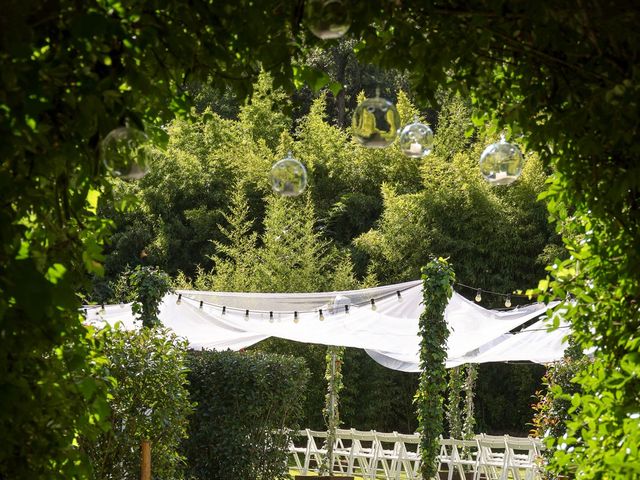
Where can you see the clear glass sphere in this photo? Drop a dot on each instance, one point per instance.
(501, 163)
(375, 123)
(327, 19)
(125, 152)
(416, 140)
(288, 177)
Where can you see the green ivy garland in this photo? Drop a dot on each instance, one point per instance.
(437, 278)
(150, 285)
(469, 388)
(454, 412)
(333, 376)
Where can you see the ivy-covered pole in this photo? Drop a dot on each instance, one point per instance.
(437, 278)
(469, 389)
(453, 411)
(333, 375)
(149, 285)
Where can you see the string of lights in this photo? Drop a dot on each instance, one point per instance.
(346, 308)
(321, 314)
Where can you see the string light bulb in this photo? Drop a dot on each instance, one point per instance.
(320, 315)
(478, 295)
(507, 302)
(373, 305)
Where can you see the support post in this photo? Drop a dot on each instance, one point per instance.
(145, 460)
(438, 278)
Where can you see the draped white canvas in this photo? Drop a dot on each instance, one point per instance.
(386, 328)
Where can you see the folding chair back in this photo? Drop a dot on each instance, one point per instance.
(492, 458)
(409, 462)
(521, 454)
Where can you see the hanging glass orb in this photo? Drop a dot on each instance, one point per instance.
(501, 163)
(327, 19)
(416, 139)
(125, 153)
(375, 122)
(288, 177)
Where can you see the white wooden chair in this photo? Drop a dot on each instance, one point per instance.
(298, 449)
(492, 461)
(447, 456)
(409, 462)
(521, 454)
(388, 455)
(315, 449)
(466, 457)
(364, 453)
(343, 451)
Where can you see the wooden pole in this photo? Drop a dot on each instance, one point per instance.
(145, 463)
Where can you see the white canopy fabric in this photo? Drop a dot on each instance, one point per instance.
(382, 320)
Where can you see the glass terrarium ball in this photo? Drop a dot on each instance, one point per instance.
(375, 123)
(416, 140)
(327, 19)
(501, 163)
(125, 153)
(288, 177)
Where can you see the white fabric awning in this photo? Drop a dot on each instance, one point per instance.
(387, 329)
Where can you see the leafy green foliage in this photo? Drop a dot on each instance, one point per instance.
(496, 236)
(148, 400)
(438, 278)
(553, 405)
(331, 411)
(246, 403)
(148, 287)
(454, 397)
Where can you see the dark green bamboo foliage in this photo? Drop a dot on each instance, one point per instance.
(437, 278)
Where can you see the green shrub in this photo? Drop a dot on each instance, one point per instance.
(245, 403)
(149, 400)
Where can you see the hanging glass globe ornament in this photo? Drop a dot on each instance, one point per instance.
(327, 19)
(375, 122)
(501, 163)
(125, 153)
(416, 139)
(288, 177)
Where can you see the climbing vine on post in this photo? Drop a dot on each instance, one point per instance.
(149, 285)
(437, 279)
(469, 389)
(453, 411)
(331, 413)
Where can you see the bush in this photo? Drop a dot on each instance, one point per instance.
(554, 404)
(148, 400)
(245, 403)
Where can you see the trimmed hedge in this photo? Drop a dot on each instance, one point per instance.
(245, 403)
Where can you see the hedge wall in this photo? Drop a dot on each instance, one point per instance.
(245, 403)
